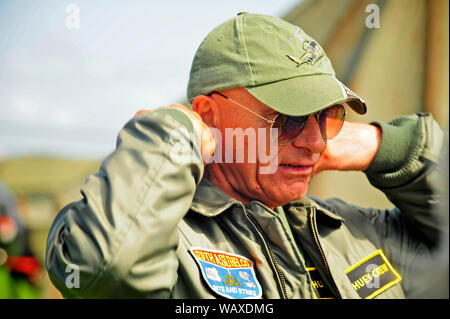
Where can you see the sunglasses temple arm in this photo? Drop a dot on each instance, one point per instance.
(271, 122)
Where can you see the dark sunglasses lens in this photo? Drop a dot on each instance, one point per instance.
(331, 121)
(290, 127)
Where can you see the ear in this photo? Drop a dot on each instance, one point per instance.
(207, 108)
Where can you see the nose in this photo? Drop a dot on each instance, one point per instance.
(311, 138)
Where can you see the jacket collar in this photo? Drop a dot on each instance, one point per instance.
(320, 207)
(210, 200)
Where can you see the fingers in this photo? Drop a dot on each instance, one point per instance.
(142, 111)
(207, 142)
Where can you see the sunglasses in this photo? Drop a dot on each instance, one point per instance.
(330, 122)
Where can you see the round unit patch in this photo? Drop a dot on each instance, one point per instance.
(229, 275)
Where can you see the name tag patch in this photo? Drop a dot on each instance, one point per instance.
(321, 290)
(372, 275)
(229, 275)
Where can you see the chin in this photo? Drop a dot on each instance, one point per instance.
(288, 193)
(296, 195)
(276, 190)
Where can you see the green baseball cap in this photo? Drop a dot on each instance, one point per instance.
(277, 62)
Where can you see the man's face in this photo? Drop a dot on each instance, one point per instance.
(295, 163)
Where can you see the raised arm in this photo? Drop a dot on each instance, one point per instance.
(125, 227)
(398, 158)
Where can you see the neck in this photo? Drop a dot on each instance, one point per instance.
(214, 172)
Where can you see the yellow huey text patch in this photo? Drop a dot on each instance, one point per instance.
(372, 275)
(321, 290)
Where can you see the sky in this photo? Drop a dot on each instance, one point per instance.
(72, 73)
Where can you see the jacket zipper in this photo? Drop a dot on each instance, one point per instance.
(280, 275)
(316, 239)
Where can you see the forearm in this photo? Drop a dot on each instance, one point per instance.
(353, 149)
(126, 223)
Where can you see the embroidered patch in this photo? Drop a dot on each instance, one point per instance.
(313, 53)
(231, 276)
(372, 275)
(321, 291)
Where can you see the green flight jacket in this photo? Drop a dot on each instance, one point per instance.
(132, 233)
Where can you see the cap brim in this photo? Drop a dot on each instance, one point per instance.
(307, 94)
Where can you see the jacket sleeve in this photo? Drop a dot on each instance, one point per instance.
(406, 169)
(125, 227)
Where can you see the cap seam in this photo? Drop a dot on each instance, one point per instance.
(241, 17)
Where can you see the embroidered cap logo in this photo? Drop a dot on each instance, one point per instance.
(313, 53)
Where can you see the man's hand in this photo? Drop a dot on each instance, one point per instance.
(353, 149)
(208, 144)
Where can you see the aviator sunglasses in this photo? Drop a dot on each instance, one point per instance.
(330, 122)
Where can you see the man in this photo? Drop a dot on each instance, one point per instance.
(156, 224)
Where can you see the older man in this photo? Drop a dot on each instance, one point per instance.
(153, 224)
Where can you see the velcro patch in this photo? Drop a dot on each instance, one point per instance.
(229, 275)
(372, 275)
(321, 290)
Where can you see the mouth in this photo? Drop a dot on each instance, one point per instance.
(292, 165)
(296, 169)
